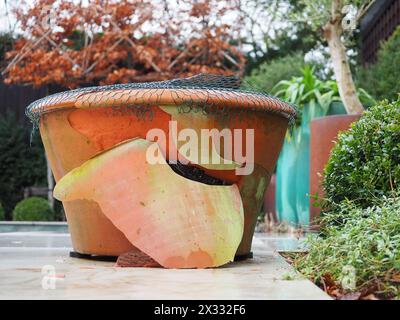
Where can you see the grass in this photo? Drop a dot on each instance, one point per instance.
(357, 253)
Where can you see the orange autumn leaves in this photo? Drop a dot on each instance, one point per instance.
(113, 41)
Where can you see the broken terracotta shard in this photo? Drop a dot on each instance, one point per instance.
(178, 222)
(136, 259)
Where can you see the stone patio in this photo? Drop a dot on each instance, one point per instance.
(36, 265)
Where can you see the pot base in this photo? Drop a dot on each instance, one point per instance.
(241, 257)
(75, 254)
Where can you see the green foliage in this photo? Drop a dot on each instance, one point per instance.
(361, 254)
(2, 213)
(6, 44)
(358, 247)
(295, 37)
(300, 41)
(309, 90)
(382, 78)
(76, 40)
(365, 163)
(21, 165)
(33, 209)
(318, 12)
(270, 73)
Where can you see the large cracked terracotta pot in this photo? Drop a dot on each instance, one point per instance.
(78, 125)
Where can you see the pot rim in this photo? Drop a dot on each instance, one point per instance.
(161, 93)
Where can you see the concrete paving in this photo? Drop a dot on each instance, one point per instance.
(36, 265)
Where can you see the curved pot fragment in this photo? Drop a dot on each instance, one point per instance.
(180, 223)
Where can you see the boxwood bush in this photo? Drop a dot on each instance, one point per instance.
(33, 209)
(365, 163)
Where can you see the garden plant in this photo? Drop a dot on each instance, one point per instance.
(381, 78)
(33, 209)
(365, 163)
(356, 253)
(314, 98)
(22, 163)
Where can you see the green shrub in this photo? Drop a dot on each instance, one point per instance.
(361, 254)
(357, 249)
(382, 78)
(268, 74)
(21, 164)
(365, 163)
(2, 213)
(33, 209)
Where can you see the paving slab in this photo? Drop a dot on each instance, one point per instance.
(36, 265)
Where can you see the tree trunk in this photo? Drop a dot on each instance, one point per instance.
(332, 33)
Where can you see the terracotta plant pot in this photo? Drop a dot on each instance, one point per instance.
(324, 133)
(77, 125)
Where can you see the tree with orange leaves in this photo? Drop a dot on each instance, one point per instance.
(70, 44)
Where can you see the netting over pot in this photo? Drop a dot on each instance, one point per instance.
(212, 94)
